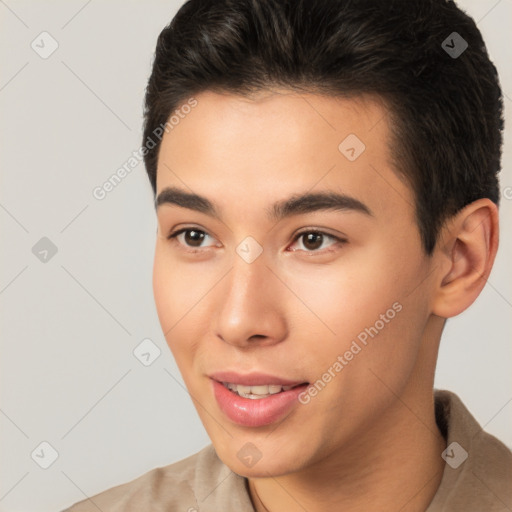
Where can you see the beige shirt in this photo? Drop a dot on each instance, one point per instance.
(482, 482)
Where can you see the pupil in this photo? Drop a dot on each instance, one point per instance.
(313, 240)
(196, 242)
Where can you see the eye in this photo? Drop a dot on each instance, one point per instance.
(312, 240)
(191, 238)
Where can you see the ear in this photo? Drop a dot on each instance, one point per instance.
(465, 253)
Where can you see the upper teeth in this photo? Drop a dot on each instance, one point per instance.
(256, 391)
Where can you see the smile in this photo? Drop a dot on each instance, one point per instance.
(255, 400)
(256, 392)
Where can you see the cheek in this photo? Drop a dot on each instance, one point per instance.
(368, 312)
(347, 296)
(182, 303)
(164, 293)
(177, 288)
(174, 299)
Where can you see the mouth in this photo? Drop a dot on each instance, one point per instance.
(258, 392)
(255, 400)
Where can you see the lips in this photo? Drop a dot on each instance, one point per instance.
(253, 379)
(255, 400)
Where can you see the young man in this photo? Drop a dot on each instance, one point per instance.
(325, 178)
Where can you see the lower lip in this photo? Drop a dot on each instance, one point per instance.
(256, 412)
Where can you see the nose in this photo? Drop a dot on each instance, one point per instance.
(250, 306)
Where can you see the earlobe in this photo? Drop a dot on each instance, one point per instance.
(466, 253)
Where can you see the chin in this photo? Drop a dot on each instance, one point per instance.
(249, 462)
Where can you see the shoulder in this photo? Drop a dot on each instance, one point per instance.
(183, 485)
(478, 468)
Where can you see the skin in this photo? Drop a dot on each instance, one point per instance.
(369, 437)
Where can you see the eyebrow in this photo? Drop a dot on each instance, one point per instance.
(294, 205)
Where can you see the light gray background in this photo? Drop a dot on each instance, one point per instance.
(69, 326)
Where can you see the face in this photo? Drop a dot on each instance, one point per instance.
(311, 309)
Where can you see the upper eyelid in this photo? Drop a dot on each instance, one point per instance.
(188, 228)
(319, 231)
(296, 235)
(179, 231)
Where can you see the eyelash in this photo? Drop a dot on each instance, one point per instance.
(173, 235)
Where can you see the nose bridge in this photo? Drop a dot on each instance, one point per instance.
(249, 307)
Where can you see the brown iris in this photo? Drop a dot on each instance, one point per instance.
(312, 241)
(194, 237)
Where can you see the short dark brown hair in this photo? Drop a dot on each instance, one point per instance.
(445, 109)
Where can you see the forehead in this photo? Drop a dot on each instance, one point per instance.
(277, 142)
(287, 115)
